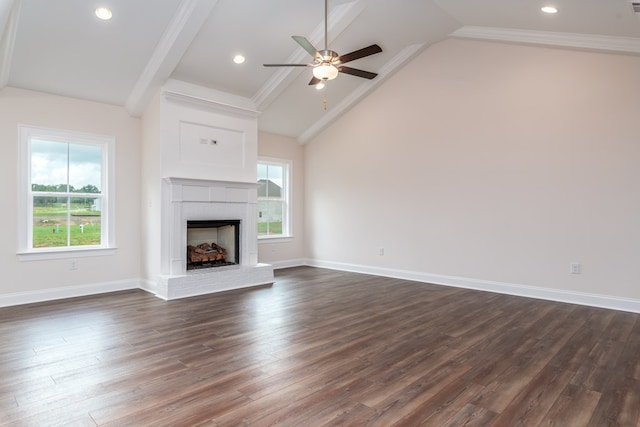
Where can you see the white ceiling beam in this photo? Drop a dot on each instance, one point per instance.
(180, 32)
(5, 11)
(339, 19)
(9, 13)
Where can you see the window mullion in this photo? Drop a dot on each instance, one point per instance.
(68, 217)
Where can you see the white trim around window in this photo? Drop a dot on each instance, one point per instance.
(106, 146)
(286, 185)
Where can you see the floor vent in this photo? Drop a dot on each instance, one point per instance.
(636, 6)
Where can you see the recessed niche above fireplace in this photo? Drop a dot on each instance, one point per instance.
(212, 243)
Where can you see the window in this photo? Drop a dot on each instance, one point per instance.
(65, 192)
(273, 198)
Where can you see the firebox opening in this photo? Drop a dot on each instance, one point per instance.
(212, 243)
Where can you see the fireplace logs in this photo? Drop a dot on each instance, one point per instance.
(206, 252)
(212, 243)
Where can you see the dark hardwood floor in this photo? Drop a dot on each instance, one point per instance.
(319, 348)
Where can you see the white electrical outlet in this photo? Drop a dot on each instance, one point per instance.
(381, 252)
(73, 265)
(575, 267)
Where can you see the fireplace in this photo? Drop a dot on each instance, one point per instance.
(212, 243)
(209, 212)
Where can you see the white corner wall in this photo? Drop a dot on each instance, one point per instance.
(151, 192)
(290, 251)
(27, 281)
(488, 165)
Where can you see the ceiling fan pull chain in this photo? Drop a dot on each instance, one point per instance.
(324, 103)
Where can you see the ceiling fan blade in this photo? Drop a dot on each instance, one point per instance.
(359, 73)
(360, 53)
(286, 65)
(306, 45)
(314, 81)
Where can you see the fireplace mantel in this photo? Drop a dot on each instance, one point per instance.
(179, 183)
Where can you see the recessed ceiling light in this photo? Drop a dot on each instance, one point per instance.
(238, 59)
(549, 9)
(103, 13)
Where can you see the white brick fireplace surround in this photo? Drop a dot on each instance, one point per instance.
(194, 199)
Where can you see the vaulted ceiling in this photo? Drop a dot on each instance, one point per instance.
(60, 46)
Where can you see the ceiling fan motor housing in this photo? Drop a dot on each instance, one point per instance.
(327, 57)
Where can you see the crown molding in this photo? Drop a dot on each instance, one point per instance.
(339, 18)
(549, 38)
(398, 61)
(208, 104)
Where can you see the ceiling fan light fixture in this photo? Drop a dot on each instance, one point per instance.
(103, 13)
(320, 85)
(325, 72)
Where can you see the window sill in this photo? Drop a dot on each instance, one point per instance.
(274, 239)
(64, 254)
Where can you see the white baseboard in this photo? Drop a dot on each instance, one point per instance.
(153, 287)
(289, 263)
(573, 297)
(149, 286)
(559, 295)
(29, 297)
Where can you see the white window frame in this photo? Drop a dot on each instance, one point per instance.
(287, 167)
(26, 251)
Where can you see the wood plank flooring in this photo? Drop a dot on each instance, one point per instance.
(319, 348)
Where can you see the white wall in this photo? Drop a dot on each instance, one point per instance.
(488, 161)
(151, 194)
(285, 252)
(113, 271)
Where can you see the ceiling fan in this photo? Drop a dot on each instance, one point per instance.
(327, 63)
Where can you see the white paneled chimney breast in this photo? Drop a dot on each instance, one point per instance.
(209, 173)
